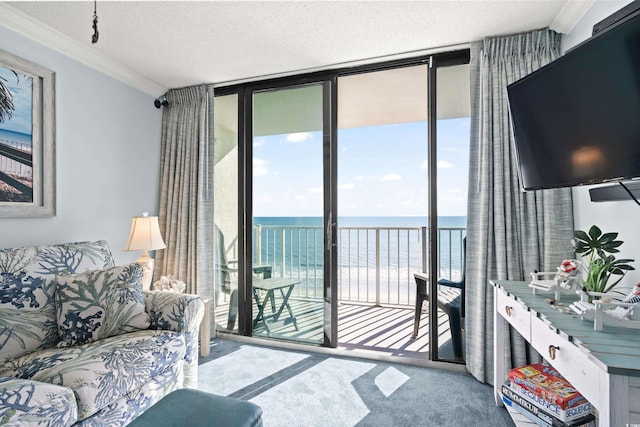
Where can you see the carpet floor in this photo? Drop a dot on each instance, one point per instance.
(308, 389)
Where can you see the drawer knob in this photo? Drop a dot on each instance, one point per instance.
(552, 351)
(508, 309)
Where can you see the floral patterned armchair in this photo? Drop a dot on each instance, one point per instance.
(82, 344)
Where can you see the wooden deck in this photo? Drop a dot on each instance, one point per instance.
(383, 330)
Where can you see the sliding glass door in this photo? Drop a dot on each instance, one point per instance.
(404, 131)
(289, 153)
(452, 165)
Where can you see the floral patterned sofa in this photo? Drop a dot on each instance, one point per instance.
(81, 343)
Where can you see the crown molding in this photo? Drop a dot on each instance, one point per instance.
(25, 25)
(570, 14)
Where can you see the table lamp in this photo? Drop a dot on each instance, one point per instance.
(145, 236)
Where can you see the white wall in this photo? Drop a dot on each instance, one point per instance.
(609, 216)
(107, 156)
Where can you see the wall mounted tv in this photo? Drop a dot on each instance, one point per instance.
(577, 120)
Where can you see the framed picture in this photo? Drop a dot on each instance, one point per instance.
(27, 138)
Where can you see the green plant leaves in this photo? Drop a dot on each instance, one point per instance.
(596, 242)
(601, 265)
(595, 232)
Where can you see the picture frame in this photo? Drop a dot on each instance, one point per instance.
(27, 138)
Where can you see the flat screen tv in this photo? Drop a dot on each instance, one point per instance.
(577, 120)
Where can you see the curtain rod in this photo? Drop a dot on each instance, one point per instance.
(366, 61)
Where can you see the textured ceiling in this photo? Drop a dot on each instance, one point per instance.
(178, 44)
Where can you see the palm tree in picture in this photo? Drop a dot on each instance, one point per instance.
(6, 101)
(12, 188)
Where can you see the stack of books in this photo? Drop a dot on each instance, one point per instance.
(545, 397)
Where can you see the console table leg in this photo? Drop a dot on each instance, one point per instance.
(499, 368)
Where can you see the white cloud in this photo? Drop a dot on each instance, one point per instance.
(347, 186)
(315, 189)
(260, 171)
(391, 177)
(442, 164)
(299, 137)
(259, 167)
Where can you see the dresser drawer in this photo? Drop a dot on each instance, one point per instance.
(566, 358)
(515, 313)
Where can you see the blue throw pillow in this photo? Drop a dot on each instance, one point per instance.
(100, 304)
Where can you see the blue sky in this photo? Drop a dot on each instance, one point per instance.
(22, 94)
(381, 171)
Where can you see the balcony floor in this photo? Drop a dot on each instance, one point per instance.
(362, 328)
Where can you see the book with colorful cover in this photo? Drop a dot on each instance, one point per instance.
(543, 417)
(552, 409)
(540, 420)
(547, 383)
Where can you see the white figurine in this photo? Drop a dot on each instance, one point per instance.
(566, 278)
(610, 309)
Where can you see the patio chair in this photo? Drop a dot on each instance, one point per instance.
(226, 277)
(450, 300)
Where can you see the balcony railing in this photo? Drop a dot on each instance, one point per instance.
(10, 164)
(375, 264)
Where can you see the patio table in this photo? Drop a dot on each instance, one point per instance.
(269, 286)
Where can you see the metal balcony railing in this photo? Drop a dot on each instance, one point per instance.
(375, 264)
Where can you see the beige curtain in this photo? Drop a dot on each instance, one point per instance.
(509, 233)
(186, 196)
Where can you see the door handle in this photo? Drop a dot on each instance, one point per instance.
(329, 231)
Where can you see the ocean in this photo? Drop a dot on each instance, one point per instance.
(382, 250)
(365, 221)
(15, 137)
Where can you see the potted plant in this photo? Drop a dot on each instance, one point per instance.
(601, 265)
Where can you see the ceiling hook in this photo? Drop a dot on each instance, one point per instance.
(94, 37)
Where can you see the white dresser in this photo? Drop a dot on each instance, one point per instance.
(604, 366)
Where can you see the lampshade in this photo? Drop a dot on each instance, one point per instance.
(145, 234)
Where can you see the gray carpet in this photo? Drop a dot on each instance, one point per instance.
(308, 389)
